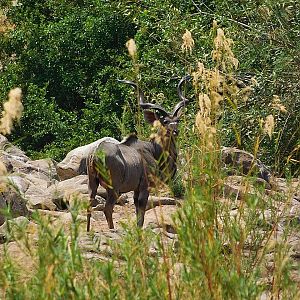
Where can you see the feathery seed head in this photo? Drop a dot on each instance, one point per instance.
(13, 109)
(269, 125)
(188, 42)
(131, 46)
(204, 104)
(222, 52)
(276, 104)
(159, 133)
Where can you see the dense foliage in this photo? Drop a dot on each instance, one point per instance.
(66, 56)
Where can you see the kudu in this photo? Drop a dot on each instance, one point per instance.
(132, 163)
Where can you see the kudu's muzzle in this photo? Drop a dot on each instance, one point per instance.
(173, 129)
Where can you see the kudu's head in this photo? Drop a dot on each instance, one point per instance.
(153, 112)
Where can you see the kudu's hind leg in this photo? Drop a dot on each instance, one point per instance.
(93, 183)
(140, 202)
(112, 197)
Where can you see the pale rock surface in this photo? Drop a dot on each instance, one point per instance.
(39, 197)
(13, 199)
(75, 161)
(238, 186)
(77, 187)
(19, 181)
(239, 162)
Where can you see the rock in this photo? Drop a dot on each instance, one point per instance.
(294, 243)
(100, 243)
(13, 199)
(154, 201)
(75, 161)
(21, 254)
(11, 228)
(237, 186)
(290, 187)
(62, 191)
(37, 181)
(3, 139)
(65, 221)
(43, 169)
(39, 197)
(18, 163)
(8, 148)
(160, 216)
(13, 163)
(19, 182)
(241, 162)
(12, 157)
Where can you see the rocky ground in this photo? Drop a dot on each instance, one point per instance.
(50, 188)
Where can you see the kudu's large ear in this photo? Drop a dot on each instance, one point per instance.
(149, 116)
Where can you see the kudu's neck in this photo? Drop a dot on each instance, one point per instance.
(166, 154)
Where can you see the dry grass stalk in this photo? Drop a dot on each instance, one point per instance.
(187, 42)
(159, 134)
(13, 109)
(216, 85)
(131, 46)
(269, 125)
(222, 52)
(276, 104)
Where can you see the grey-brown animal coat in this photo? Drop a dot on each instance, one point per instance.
(131, 164)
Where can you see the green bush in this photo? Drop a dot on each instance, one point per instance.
(73, 52)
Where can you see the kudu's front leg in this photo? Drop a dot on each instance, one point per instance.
(140, 202)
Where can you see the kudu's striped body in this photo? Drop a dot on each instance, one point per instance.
(132, 163)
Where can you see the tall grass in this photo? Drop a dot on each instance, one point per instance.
(226, 248)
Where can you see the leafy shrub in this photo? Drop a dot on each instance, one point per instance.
(71, 54)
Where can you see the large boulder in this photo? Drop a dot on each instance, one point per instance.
(19, 182)
(75, 161)
(44, 169)
(17, 162)
(9, 148)
(240, 162)
(39, 197)
(77, 186)
(33, 188)
(12, 157)
(27, 180)
(12, 199)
